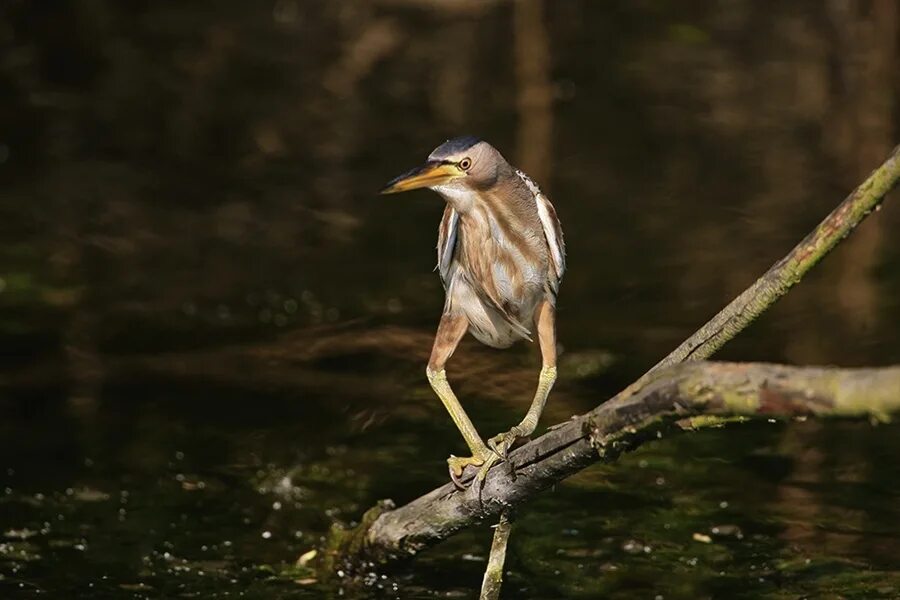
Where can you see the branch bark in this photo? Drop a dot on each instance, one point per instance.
(648, 408)
(689, 395)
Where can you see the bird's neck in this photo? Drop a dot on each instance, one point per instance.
(461, 199)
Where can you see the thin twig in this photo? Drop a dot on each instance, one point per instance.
(493, 573)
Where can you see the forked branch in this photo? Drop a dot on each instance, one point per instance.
(685, 395)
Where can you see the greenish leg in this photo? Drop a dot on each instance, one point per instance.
(502, 442)
(450, 331)
(545, 321)
(441, 387)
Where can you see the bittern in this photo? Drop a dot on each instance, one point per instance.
(500, 255)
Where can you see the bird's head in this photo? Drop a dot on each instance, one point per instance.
(458, 165)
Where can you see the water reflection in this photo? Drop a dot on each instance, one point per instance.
(194, 264)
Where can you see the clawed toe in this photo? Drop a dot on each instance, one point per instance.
(493, 459)
(499, 446)
(501, 443)
(496, 451)
(457, 465)
(456, 480)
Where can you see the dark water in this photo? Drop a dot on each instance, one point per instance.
(214, 332)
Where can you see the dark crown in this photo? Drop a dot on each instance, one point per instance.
(454, 146)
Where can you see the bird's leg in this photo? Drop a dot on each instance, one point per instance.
(545, 323)
(450, 331)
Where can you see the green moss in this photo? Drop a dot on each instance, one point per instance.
(343, 547)
(708, 421)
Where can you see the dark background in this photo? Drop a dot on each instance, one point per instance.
(213, 330)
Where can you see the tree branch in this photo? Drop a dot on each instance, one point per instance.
(788, 271)
(648, 407)
(669, 397)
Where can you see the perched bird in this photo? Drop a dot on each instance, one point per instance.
(501, 257)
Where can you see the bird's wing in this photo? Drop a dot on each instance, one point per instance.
(447, 242)
(552, 231)
(446, 247)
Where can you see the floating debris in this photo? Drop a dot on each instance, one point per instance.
(87, 494)
(306, 557)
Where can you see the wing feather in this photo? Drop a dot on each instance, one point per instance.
(446, 245)
(552, 231)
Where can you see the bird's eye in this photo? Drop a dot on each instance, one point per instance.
(465, 163)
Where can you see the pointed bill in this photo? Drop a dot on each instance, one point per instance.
(430, 174)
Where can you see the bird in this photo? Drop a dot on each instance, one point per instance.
(501, 258)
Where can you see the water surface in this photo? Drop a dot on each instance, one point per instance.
(214, 332)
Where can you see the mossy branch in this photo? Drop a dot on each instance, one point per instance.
(664, 404)
(788, 271)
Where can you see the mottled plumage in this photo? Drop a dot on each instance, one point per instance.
(501, 257)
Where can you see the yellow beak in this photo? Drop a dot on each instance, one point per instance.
(429, 174)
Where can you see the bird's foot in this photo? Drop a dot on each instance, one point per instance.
(502, 442)
(457, 465)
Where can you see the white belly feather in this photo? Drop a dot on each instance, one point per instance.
(486, 323)
(517, 295)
